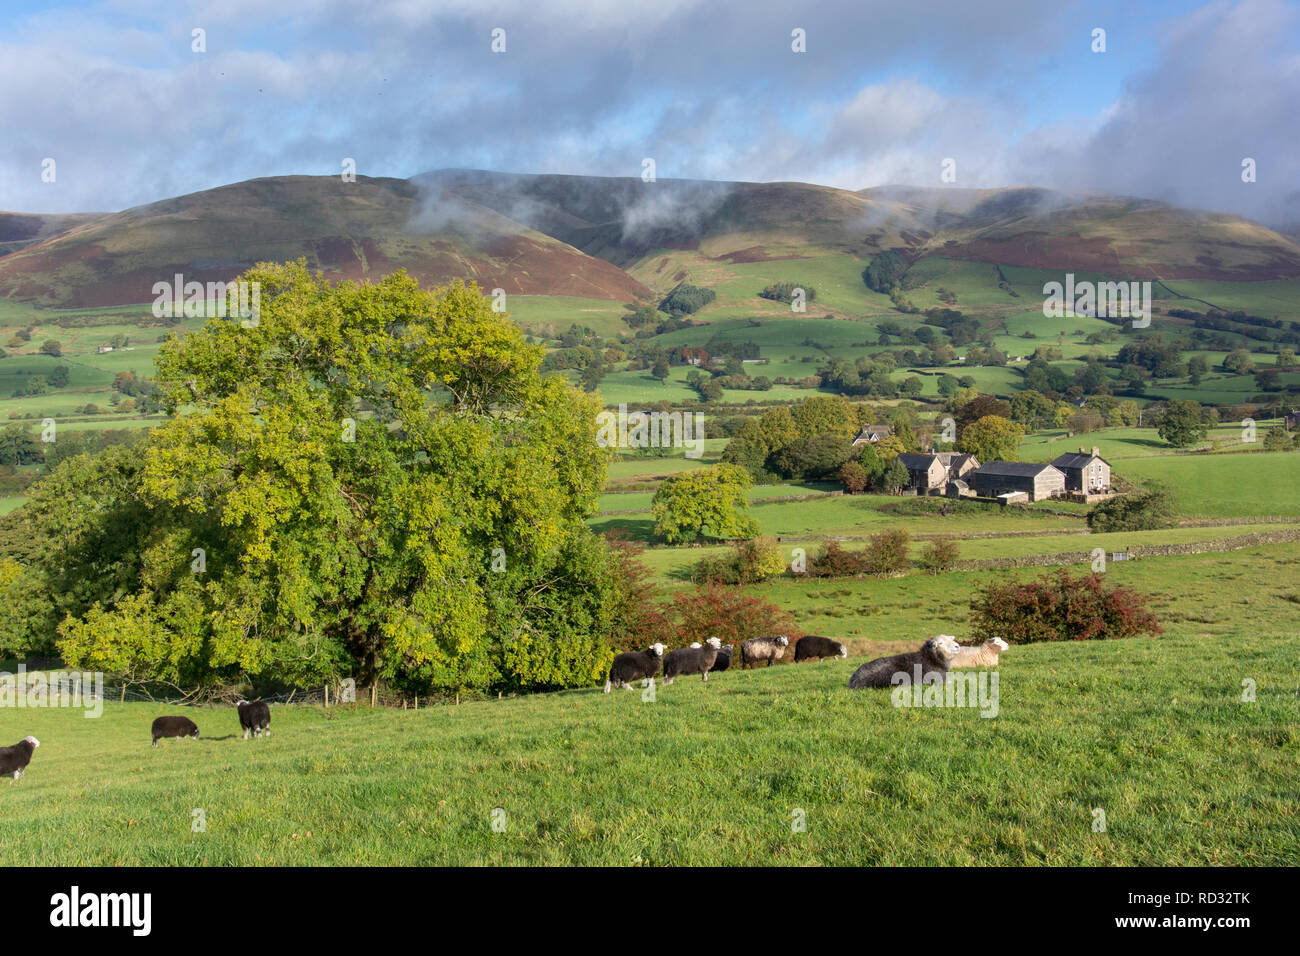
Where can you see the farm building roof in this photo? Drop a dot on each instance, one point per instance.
(1074, 459)
(1019, 469)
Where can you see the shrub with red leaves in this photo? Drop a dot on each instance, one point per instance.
(730, 615)
(1060, 607)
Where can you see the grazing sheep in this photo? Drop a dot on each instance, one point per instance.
(816, 648)
(255, 717)
(934, 657)
(982, 655)
(763, 649)
(692, 660)
(635, 665)
(724, 658)
(174, 727)
(14, 760)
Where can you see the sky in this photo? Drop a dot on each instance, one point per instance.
(1012, 91)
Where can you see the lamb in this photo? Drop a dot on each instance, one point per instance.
(810, 648)
(934, 657)
(174, 727)
(692, 660)
(14, 760)
(763, 649)
(255, 717)
(635, 665)
(983, 655)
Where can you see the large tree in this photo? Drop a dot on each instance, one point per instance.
(371, 479)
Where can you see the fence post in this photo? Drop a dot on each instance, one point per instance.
(327, 695)
(374, 692)
(123, 692)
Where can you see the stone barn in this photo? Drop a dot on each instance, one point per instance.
(1085, 472)
(1038, 481)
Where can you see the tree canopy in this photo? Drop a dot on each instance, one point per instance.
(372, 479)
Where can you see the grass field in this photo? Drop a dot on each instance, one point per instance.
(1152, 731)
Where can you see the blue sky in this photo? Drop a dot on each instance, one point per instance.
(1010, 89)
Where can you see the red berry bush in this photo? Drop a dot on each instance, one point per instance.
(1061, 607)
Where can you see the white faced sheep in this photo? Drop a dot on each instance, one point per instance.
(763, 649)
(815, 648)
(692, 660)
(633, 666)
(14, 760)
(254, 717)
(934, 657)
(724, 657)
(982, 655)
(174, 727)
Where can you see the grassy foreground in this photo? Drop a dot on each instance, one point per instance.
(1152, 731)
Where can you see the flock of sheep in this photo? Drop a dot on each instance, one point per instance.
(935, 656)
(254, 718)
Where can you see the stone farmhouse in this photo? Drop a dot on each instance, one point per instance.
(931, 473)
(870, 434)
(1085, 472)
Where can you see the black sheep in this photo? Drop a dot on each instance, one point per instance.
(634, 665)
(934, 657)
(691, 660)
(14, 760)
(724, 657)
(174, 727)
(815, 648)
(254, 717)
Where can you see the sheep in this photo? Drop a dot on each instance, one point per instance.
(982, 655)
(816, 648)
(174, 727)
(933, 657)
(14, 760)
(692, 660)
(763, 649)
(255, 717)
(724, 657)
(635, 665)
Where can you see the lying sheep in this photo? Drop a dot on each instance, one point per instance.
(635, 665)
(254, 717)
(763, 649)
(692, 660)
(14, 760)
(174, 727)
(982, 655)
(934, 657)
(816, 648)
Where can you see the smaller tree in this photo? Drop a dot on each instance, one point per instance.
(939, 555)
(52, 347)
(1182, 423)
(887, 552)
(706, 502)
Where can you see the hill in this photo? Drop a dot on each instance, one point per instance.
(370, 227)
(609, 238)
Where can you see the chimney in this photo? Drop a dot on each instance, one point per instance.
(1095, 452)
